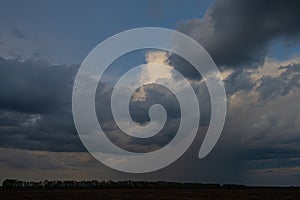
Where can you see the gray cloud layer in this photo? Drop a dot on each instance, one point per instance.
(35, 106)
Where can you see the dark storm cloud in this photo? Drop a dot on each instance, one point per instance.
(35, 110)
(257, 134)
(35, 106)
(47, 132)
(35, 86)
(238, 32)
(266, 130)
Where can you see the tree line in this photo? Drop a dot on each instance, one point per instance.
(128, 184)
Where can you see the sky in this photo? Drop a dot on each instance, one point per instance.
(255, 44)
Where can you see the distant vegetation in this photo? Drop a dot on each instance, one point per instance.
(13, 183)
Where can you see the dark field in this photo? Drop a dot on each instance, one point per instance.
(249, 193)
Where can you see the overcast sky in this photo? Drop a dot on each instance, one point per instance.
(255, 44)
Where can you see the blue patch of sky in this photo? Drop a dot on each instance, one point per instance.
(282, 51)
(78, 26)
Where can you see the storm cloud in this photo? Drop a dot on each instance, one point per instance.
(239, 33)
(260, 141)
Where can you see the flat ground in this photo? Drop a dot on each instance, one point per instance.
(90, 194)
